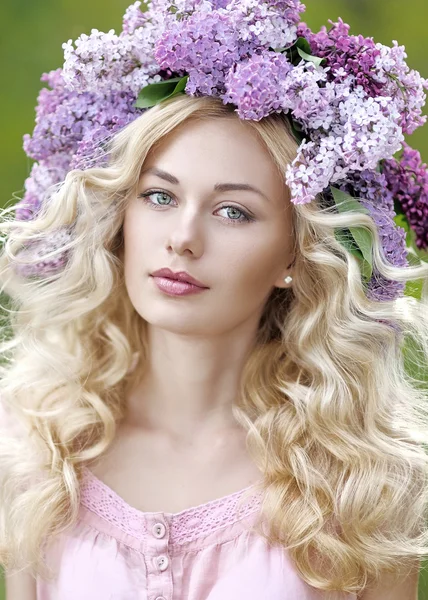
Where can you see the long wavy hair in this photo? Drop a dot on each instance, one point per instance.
(336, 422)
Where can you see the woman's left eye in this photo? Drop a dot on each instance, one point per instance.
(244, 218)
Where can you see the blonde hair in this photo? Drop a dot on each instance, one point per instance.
(335, 421)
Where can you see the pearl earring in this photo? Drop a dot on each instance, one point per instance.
(288, 279)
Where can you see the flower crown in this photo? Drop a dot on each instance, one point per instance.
(349, 101)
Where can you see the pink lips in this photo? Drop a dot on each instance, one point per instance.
(177, 284)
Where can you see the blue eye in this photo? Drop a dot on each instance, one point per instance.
(243, 218)
(148, 194)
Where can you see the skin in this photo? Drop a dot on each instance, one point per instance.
(201, 341)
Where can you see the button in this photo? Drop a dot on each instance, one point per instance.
(159, 530)
(163, 562)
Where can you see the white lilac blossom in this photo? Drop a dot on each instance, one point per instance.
(106, 62)
(352, 101)
(405, 86)
(358, 133)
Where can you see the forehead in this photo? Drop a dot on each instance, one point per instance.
(217, 150)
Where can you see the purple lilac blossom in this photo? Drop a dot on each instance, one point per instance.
(67, 120)
(43, 177)
(35, 250)
(379, 69)
(407, 180)
(205, 46)
(254, 85)
(370, 187)
(70, 127)
(346, 56)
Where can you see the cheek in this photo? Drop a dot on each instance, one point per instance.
(253, 271)
(137, 235)
(136, 238)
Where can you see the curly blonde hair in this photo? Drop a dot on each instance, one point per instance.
(335, 421)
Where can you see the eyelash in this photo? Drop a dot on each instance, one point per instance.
(145, 198)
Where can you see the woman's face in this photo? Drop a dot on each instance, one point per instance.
(238, 243)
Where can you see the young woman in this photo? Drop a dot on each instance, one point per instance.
(202, 402)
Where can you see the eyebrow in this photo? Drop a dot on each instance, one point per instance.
(219, 187)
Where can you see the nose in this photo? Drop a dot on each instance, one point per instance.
(186, 235)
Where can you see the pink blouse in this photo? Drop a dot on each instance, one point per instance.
(207, 552)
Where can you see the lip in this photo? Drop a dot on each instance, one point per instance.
(172, 287)
(181, 276)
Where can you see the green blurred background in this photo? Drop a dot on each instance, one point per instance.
(32, 33)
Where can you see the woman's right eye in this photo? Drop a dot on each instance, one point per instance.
(147, 195)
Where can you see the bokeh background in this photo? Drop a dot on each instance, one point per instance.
(31, 37)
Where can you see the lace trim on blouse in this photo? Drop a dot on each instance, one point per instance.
(185, 526)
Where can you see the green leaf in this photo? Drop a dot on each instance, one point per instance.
(344, 237)
(303, 44)
(154, 93)
(401, 221)
(309, 58)
(398, 208)
(292, 52)
(414, 288)
(297, 130)
(361, 236)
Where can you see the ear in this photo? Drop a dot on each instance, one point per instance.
(281, 283)
(287, 272)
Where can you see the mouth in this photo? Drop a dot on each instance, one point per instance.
(180, 277)
(174, 287)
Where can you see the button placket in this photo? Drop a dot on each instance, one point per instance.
(162, 562)
(157, 557)
(159, 530)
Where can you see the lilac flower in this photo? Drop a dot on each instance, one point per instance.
(69, 129)
(364, 130)
(134, 18)
(378, 69)
(405, 86)
(254, 85)
(36, 249)
(97, 58)
(106, 62)
(271, 24)
(67, 120)
(347, 56)
(43, 176)
(311, 104)
(407, 179)
(208, 43)
(205, 46)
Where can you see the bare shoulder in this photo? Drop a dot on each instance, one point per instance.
(20, 586)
